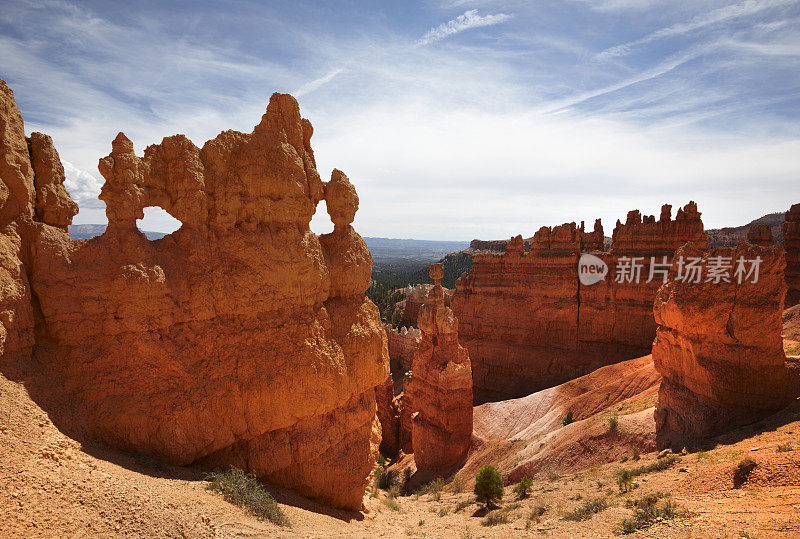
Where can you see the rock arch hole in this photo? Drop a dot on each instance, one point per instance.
(321, 222)
(157, 223)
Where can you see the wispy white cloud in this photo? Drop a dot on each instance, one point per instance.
(650, 73)
(743, 9)
(414, 126)
(465, 21)
(619, 5)
(317, 83)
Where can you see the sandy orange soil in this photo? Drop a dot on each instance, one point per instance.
(50, 485)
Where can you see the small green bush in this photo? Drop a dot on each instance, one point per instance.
(458, 484)
(570, 418)
(589, 508)
(647, 511)
(538, 509)
(784, 448)
(433, 488)
(405, 482)
(523, 488)
(613, 424)
(624, 476)
(624, 480)
(391, 503)
(463, 504)
(488, 485)
(243, 489)
(494, 518)
(385, 478)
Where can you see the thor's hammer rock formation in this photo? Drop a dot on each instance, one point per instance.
(441, 386)
(240, 339)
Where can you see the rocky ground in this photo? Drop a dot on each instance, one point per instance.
(51, 485)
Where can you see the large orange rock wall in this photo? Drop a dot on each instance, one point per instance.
(791, 242)
(719, 348)
(240, 339)
(529, 323)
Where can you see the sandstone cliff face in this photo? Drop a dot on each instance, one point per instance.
(242, 338)
(529, 323)
(791, 242)
(718, 345)
(403, 343)
(760, 234)
(415, 298)
(441, 386)
(31, 190)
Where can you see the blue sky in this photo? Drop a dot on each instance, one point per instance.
(454, 119)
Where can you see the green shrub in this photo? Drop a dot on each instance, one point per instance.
(391, 503)
(624, 476)
(458, 485)
(624, 480)
(385, 478)
(613, 424)
(463, 504)
(570, 418)
(535, 516)
(494, 518)
(784, 448)
(647, 511)
(636, 455)
(433, 488)
(243, 489)
(523, 488)
(589, 508)
(488, 485)
(405, 483)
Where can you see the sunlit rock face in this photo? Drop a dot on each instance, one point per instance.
(530, 323)
(440, 386)
(791, 241)
(718, 344)
(242, 338)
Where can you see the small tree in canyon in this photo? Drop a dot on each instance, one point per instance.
(488, 486)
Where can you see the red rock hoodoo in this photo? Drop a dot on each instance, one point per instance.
(240, 339)
(718, 344)
(530, 324)
(791, 242)
(440, 387)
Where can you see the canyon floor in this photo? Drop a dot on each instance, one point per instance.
(51, 485)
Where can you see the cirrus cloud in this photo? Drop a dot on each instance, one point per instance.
(465, 21)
